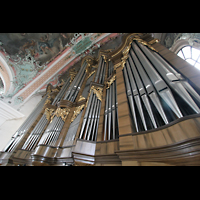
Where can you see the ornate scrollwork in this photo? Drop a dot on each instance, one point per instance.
(49, 89)
(55, 90)
(77, 111)
(137, 38)
(98, 91)
(47, 102)
(90, 74)
(62, 83)
(72, 73)
(61, 112)
(48, 112)
(48, 99)
(81, 98)
(110, 81)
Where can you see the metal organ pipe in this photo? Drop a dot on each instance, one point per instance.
(25, 126)
(170, 78)
(147, 76)
(110, 115)
(148, 86)
(53, 130)
(161, 87)
(35, 135)
(142, 92)
(90, 121)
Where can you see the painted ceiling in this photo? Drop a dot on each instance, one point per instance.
(36, 59)
(42, 46)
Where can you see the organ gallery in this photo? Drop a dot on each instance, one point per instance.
(130, 105)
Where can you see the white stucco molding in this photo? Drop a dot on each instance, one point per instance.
(7, 112)
(9, 71)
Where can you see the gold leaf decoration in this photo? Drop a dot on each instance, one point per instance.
(48, 113)
(72, 73)
(111, 81)
(63, 113)
(81, 98)
(98, 92)
(77, 111)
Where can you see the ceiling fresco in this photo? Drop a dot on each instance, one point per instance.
(41, 46)
(38, 58)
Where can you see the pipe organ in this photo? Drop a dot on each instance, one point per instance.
(128, 106)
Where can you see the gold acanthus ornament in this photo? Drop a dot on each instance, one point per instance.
(90, 74)
(81, 98)
(77, 111)
(48, 100)
(48, 112)
(49, 89)
(111, 80)
(127, 48)
(61, 112)
(98, 91)
(62, 83)
(55, 90)
(137, 38)
(72, 74)
(78, 108)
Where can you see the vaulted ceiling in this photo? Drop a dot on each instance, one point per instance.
(29, 61)
(42, 46)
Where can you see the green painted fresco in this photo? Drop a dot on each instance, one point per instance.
(82, 45)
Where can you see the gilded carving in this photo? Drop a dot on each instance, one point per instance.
(77, 111)
(81, 98)
(117, 65)
(48, 99)
(98, 91)
(55, 90)
(49, 89)
(137, 38)
(72, 73)
(61, 112)
(48, 112)
(111, 81)
(90, 74)
(62, 83)
(47, 102)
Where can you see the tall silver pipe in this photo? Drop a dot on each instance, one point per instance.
(101, 77)
(97, 119)
(109, 113)
(135, 94)
(86, 114)
(74, 82)
(89, 116)
(142, 91)
(158, 82)
(55, 127)
(39, 128)
(171, 79)
(92, 118)
(187, 86)
(130, 98)
(106, 114)
(149, 87)
(113, 109)
(98, 70)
